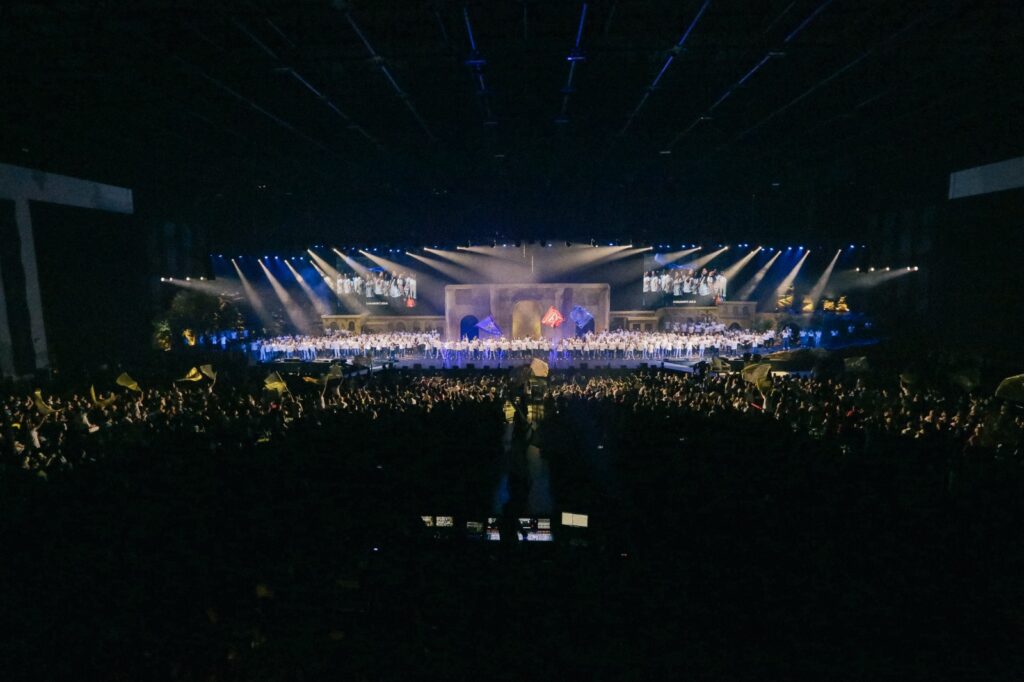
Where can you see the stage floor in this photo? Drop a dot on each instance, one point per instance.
(617, 363)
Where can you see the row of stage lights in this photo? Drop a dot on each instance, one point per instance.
(909, 268)
(546, 244)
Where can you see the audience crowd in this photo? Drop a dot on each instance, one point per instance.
(63, 430)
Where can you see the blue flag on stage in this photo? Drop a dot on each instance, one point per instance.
(581, 316)
(488, 326)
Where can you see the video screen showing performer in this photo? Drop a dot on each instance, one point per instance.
(371, 285)
(680, 284)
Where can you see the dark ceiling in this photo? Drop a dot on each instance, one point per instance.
(319, 120)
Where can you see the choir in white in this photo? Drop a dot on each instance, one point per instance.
(685, 282)
(690, 341)
(378, 285)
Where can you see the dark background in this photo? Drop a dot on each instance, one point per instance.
(259, 126)
(94, 279)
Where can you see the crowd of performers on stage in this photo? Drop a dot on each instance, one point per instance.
(378, 285)
(686, 282)
(65, 429)
(694, 341)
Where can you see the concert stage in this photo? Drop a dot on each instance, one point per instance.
(518, 308)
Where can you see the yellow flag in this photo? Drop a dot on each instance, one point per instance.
(208, 372)
(314, 380)
(539, 367)
(41, 405)
(100, 403)
(756, 373)
(128, 382)
(193, 375)
(334, 372)
(274, 382)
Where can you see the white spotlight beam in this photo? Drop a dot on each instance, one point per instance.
(749, 287)
(735, 268)
(819, 286)
(456, 273)
(318, 303)
(788, 280)
(705, 259)
(291, 309)
(254, 299)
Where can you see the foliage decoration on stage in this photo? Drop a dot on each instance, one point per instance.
(489, 326)
(581, 316)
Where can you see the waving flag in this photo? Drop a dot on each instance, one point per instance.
(274, 382)
(193, 375)
(98, 402)
(128, 382)
(41, 405)
(489, 326)
(1011, 388)
(539, 368)
(581, 316)
(552, 317)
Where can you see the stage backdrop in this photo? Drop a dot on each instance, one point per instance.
(517, 309)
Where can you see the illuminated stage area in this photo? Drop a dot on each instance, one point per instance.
(548, 290)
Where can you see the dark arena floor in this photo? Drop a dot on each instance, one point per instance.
(715, 543)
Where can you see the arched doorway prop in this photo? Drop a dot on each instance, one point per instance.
(526, 320)
(468, 328)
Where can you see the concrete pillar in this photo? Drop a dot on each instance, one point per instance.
(23, 217)
(6, 343)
